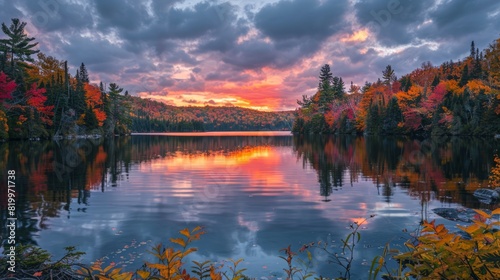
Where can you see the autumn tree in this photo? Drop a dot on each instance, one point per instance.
(45, 70)
(7, 86)
(95, 103)
(493, 64)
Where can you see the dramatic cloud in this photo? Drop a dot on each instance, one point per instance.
(261, 54)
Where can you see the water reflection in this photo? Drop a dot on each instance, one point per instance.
(255, 194)
(448, 169)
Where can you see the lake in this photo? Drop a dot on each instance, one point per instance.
(254, 193)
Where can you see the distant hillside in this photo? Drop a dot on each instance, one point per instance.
(154, 116)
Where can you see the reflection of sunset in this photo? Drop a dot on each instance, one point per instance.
(218, 161)
(259, 166)
(360, 220)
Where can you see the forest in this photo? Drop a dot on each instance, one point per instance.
(154, 116)
(455, 98)
(40, 99)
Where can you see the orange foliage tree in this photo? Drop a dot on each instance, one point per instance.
(94, 101)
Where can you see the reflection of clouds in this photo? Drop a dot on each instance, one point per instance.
(252, 226)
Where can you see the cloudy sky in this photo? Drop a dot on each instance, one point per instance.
(263, 54)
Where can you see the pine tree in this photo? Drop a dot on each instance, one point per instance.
(472, 50)
(338, 88)
(90, 119)
(84, 75)
(325, 88)
(325, 77)
(388, 75)
(392, 118)
(18, 45)
(465, 76)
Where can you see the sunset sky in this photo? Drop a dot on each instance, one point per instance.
(262, 54)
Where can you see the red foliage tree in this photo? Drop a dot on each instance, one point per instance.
(36, 99)
(6, 87)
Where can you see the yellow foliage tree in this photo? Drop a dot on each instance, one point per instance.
(453, 87)
(476, 86)
(494, 178)
(409, 99)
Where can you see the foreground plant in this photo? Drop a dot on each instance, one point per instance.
(35, 263)
(440, 254)
(345, 257)
(169, 263)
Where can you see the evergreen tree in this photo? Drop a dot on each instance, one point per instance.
(393, 117)
(84, 75)
(325, 88)
(472, 50)
(405, 83)
(388, 75)
(477, 71)
(338, 88)
(465, 76)
(118, 111)
(325, 77)
(435, 82)
(18, 46)
(373, 120)
(90, 119)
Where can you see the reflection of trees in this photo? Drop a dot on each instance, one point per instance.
(55, 178)
(51, 175)
(442, 168)
(145, 148)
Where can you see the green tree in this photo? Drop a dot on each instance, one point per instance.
(325, 77)
(325, 88)
(338, 88)
(388, 75)
(465, 76)
(18, 47)
(392, 118)
(83, 74)
(90, 119)
(118, 111)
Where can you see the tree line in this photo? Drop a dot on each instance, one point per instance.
(455, 98)
(40, 99)
(153, 116)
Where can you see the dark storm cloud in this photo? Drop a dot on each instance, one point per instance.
(393, 21)
(57, 15)
(224, 39)
(127, 15)
(301, 19)
(101, 55)
(295, 29)
(463, 21)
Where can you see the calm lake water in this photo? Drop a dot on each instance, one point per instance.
(255, 193)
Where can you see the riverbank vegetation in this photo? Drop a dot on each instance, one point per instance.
(454, 98)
